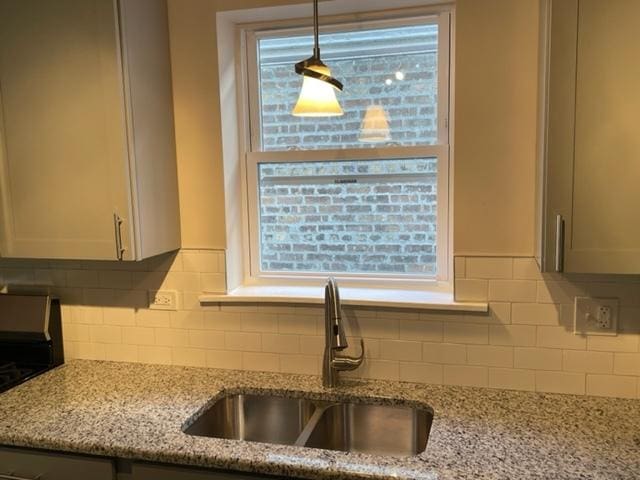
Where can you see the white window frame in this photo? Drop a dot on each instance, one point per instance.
(249, 104)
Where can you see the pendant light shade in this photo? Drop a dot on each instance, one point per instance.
(375, 125)
(318, 93)
(317, 98)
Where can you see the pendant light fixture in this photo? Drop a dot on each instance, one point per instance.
(318, 93)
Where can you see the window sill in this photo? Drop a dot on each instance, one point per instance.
(362, 297)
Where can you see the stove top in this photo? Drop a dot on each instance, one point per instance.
(12, 374)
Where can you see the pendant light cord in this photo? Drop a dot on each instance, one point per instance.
(303, 67)
(316, 31)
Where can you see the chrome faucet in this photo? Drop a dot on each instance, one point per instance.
(335, 339)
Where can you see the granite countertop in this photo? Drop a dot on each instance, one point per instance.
(136, 411)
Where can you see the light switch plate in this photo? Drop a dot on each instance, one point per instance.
(595, 316)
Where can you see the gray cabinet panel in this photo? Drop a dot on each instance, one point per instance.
(31, 464)
(592, 138)
(87, 148)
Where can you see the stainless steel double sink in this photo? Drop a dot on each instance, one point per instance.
(345, 426)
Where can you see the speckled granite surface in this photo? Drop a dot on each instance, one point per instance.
(137, 411)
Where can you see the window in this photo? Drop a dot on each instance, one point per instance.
(361, 196)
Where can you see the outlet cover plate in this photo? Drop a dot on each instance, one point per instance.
(163, 299)
(586, 318)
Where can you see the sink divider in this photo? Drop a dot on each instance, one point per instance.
(311, 424)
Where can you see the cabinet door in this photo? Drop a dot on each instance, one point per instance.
(604, 234)
(142, 471)
(29, 465)
(593, 149)
(64, 149)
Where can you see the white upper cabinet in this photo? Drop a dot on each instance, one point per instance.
(592, 151)
(87, 146)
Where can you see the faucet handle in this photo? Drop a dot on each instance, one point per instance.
(345, 362)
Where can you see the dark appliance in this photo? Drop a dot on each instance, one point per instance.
(30, 337)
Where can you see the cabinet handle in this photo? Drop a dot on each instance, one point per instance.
(559, 266)
(117, 224)
(11, 477)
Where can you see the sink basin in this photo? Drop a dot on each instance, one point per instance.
(373, 429)
(256, 418)
(349, 427)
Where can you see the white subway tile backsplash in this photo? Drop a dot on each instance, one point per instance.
(524, 342)
(621, 343)
(153, 318)
(303, 364)
(381, 369)
(138, 336)
(587, 362)
(200, 261)
(516, 335)
(489, 267)
(267, 362)
(466, 333)
(610, 385)
(626, 364)
(259, 322)
(119, 279)
(511, 379)
(469, 376)
(400, 350)
(154, 354)
(490, 356)
(421, 373)
(471, 290)
(172, 337)
(312, 345)
(105, 334)
(246, 342)
(560, 337)
(207, 339)
(378, 328)
(537, 358)
(222, 320)
(224, 359)
(118, 352)
(535, 313)
(189, 357)
(296, 324)
(187, 319)
(428, 331)
(560, 382)
(445, 353)
(512, 290)
(121, 316)
(213, 283)
(278, 343)
(526, 269)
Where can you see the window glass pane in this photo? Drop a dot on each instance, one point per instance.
(365, 216)
(390, 78)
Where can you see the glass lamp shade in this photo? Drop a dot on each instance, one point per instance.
(317, 98)
(375, 125)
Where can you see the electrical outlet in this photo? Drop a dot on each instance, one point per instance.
(595, 316)
(163, 299)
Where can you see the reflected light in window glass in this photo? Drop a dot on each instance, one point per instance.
(394, 68)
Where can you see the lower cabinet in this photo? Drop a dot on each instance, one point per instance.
(26, 464)
(163, 472)
(20, 464)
